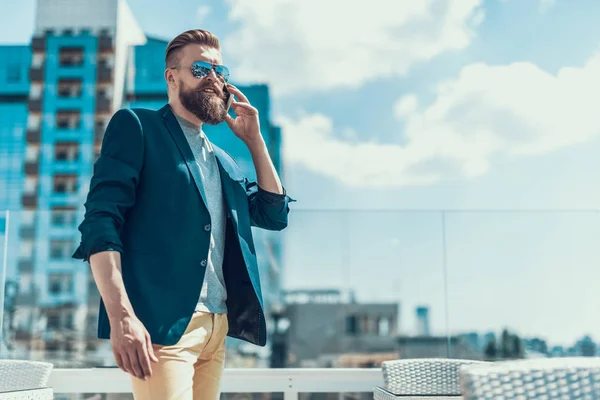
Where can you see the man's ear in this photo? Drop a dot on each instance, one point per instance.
(169, 77)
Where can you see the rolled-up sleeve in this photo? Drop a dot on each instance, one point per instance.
(113, 185)
(267, 210)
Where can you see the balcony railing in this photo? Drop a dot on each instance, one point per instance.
(290, 381)
(461, 263)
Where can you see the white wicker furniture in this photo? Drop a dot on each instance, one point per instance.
(33, 394)
(425, 377)
(548, 379)
(23, 376)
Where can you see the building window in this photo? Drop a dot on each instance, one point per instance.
(71, 56)
(70, 88)
(53, 322)
(65, 183)
(63, 216)
(351, 325)
(66, 151)
(68, 119)
(60, 283)
(69, 321)
(365, 324)
(13, 74)
(384, 326)
(61, 249)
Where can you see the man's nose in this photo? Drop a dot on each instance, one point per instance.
(213, 75)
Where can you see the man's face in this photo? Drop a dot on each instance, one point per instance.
(202, 97)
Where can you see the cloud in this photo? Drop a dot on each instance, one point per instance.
(516, 110)
(201, 13)
(406, 105)
(546, 5)
(314, 45)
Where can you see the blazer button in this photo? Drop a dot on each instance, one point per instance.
(203, 263)
(207, 227)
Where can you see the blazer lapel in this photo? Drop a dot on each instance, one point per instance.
(184, 148)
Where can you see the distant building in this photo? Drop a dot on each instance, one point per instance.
(471, 339)
(326, 331)
(435, 347)
(423, 321)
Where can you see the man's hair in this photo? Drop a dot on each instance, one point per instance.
(193, 36)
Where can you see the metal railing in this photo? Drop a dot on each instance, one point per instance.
(290, 381)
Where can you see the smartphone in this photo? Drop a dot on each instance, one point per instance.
(229, 98)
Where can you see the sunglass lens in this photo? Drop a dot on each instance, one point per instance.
(223, 72)
(200, 70)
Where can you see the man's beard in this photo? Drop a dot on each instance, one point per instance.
(209, 108)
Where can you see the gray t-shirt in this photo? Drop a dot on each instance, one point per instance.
(213, 294)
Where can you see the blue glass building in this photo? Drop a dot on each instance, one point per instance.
(57, 94)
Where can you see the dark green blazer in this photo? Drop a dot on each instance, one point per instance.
(146, 201)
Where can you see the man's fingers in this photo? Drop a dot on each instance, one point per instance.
(243, 106)
(238, 94)
(144, 361)
(150, 349)
(245, 112)
(126, 363)
(119, 360)
(135, 364)
(229, 120)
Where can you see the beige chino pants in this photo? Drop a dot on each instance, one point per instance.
(190, 369)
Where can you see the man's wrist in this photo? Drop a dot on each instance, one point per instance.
(256, 145)
(120, 314)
